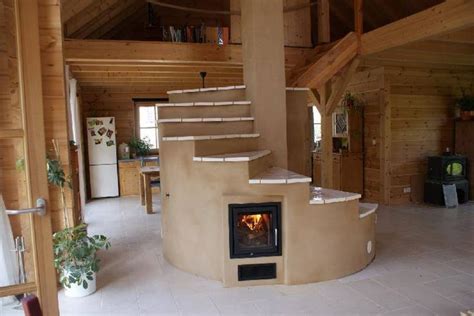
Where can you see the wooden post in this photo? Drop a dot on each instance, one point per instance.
(358, 17)
(324, 29)
(264, 73)
(326, 140)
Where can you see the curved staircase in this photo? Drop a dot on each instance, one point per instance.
(210, 158)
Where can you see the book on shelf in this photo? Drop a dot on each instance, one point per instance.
(195, 34)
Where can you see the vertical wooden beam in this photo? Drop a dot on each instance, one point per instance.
(263, 56)
(28, 41)
(386, 143)
(324, 28)
(359, 16)
(326, 140)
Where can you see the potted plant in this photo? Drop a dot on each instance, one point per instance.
(466, 106)
(75, 258)
(140, 147)
(351, 102)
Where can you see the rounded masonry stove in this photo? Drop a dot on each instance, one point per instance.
(229, 214)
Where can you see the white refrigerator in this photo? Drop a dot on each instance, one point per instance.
(102, 147)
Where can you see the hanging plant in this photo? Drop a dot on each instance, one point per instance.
(351, 102)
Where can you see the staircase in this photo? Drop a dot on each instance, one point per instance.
(219, 122)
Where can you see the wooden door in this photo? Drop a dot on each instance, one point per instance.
(22, 142)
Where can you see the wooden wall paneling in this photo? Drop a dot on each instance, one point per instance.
(385, 145)
(297, 24)
(368, 85)
(54, 97)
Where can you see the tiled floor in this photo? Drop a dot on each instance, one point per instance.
(424, 266)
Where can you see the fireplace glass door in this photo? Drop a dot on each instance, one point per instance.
(254, 230)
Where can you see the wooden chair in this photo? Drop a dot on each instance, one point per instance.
(31, 306)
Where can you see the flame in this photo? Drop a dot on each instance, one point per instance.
(253, 222)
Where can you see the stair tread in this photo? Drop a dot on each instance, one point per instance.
(213, 103)
(320, 195)
(234, 157)
(365, 209)
(207, 89)
(209, 137)
(205, 119)
(277, 175)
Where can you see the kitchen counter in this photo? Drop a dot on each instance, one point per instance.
(129, 173)
(146, 158)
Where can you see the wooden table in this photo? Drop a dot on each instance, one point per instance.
(146, 173)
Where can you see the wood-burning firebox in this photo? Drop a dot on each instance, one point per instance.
(255, 230)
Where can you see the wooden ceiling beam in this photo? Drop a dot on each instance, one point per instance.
(440, 19)
(329, 64)
(324, 23)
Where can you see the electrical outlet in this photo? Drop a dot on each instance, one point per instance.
(407, 190)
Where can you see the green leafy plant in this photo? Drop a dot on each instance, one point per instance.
(75, 255)
(351, 102)
(141, 147)
(465, 102)
(57, 177)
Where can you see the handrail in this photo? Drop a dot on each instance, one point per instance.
(40, 209)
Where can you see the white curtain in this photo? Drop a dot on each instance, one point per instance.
(8, 258)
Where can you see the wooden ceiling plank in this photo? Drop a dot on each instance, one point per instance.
(85, 16)
(443, 18)
(462, 36)
(102, 19)
(70, 8)
(122, 15)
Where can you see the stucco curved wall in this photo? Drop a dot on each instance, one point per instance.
(320, 242)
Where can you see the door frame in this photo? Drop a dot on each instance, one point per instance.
(28, 50)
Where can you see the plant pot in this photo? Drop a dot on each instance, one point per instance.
(465, 115)
(77, 290)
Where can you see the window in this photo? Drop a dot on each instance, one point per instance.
(148, 124)
(316, 125)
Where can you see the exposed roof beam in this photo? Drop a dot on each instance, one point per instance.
(443, 18)
(323, 69)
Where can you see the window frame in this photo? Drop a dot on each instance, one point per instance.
(147, 103)
(314, 124)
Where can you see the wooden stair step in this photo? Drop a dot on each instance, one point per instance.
(234, 157)
(277, 175)
(320, 195)
(209, 137)
(205, 120)
(215, 103)
(365, 209)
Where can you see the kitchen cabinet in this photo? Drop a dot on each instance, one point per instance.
(129, 171)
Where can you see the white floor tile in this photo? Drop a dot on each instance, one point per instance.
(424, 265)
